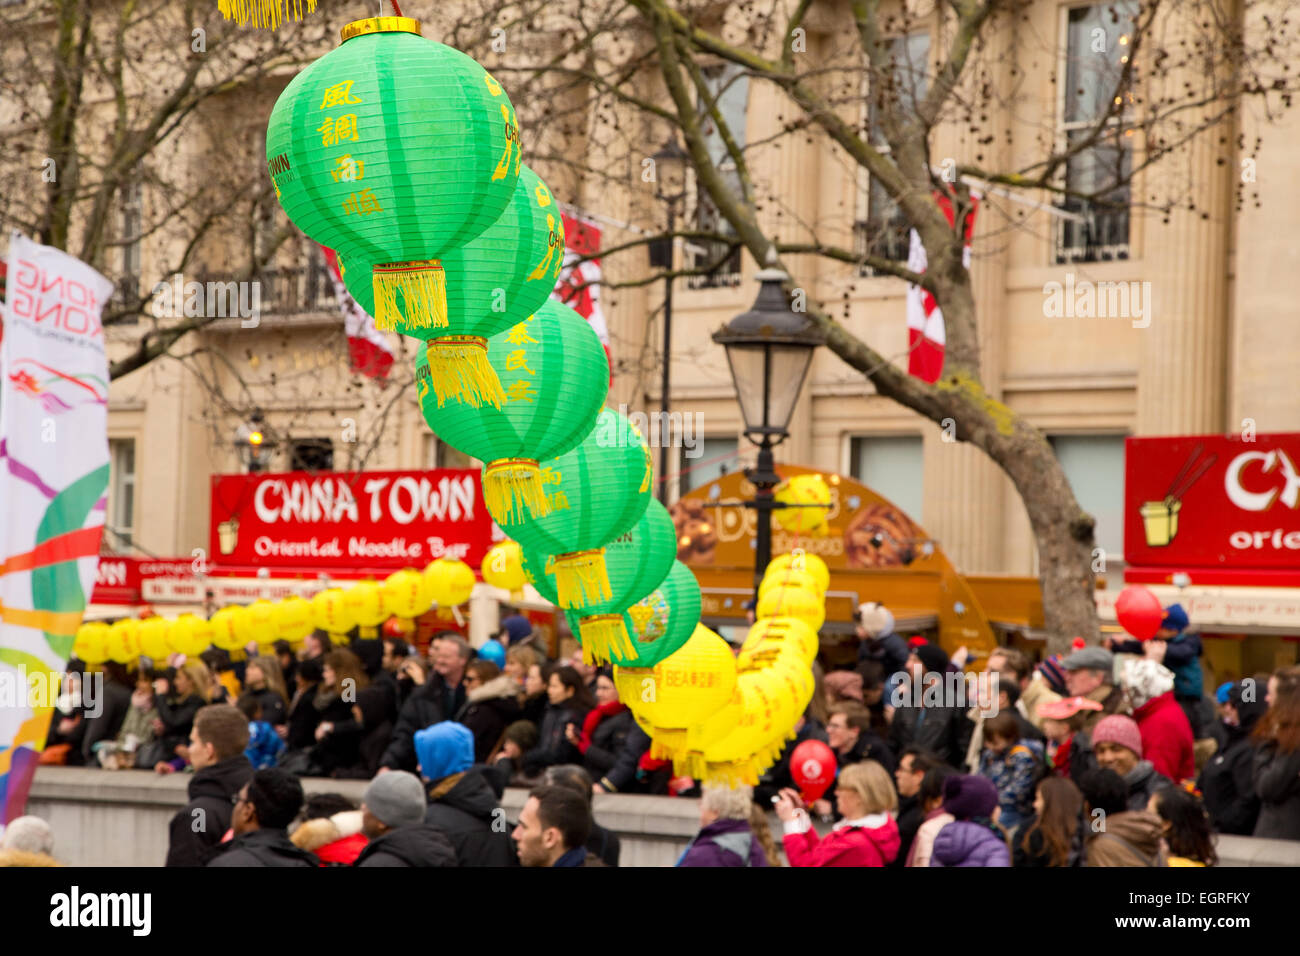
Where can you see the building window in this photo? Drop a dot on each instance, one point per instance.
(716, 457)
(120, 526)
(132, 219)
(1094, 465)
(729, 86)
(311, 454)
(1097, 48)
(892, 467)
(881, 229)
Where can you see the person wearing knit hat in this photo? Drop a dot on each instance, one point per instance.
(1179, 651)
(973, 838)
(392, 817)
(929, 710)
(1051, 672)
(1166, 734)
(1117, 744)
(878, 642)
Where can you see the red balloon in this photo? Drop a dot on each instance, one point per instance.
(1139, 611)
(812, 765)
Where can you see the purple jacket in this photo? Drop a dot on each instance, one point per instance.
(722, 843)
(963, 843)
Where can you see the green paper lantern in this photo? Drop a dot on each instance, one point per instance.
(494, 282)
(392, 150)
(662, 621)
(594, 494)
(636, 562)
(556, 375)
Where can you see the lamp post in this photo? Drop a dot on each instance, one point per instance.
(671, 160)
(252, 443)
(769, 350)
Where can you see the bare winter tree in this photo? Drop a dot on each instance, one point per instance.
(925, 128)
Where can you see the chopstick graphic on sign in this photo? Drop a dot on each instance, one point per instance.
(1160, 518)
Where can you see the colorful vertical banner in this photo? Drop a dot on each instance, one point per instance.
(53, 485)
(926, 334)
(578, 286)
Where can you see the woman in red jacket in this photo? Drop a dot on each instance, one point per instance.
(1166, 734)
(868, 834)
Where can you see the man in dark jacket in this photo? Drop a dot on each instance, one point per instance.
(922, 716)
(1227, 779)
(913, 764)
(437, 699)
(111, 703)
(217, 742)
(392, 818)
(553, 829)
(462, 802)
(878, 642)
(265, 807)
(630, 773)
(602, 842)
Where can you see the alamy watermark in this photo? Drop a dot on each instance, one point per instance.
(65, 692)
(949, 689)
(1085, 299)
(661, 430)
(179, 299)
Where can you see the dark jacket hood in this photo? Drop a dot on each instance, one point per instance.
(222, 780)
(473, 794)
(418, 844)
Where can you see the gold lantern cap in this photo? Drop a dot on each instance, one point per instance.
(381, 25)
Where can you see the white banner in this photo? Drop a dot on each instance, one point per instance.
(53, 482)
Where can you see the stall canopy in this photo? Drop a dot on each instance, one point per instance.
(874, 550)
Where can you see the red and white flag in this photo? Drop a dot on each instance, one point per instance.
(368, 350)
(579, 284)
(926, 337)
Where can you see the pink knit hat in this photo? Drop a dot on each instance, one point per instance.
(1118, 729)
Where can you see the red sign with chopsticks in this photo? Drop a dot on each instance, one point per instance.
(1210, 501)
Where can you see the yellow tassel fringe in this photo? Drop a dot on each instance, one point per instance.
(604, 637)
(264, 14)
(581, 579)
(511, 485)
(423, 286)
(459, 369)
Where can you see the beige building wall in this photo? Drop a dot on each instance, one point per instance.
(1222, 345)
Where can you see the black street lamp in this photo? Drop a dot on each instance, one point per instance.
(670, 167)
(769, 349)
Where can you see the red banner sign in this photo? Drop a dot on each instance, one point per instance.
(1209, 501)
(120, 580)
(333, 520)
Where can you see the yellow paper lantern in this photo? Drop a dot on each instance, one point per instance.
(767, 637)
(789, 578)
(91, 642)
(152, 635)
(189, 635)
(800, 560)
(450, 581)
(807, 489)
(293, 618)
(330, 613)
(226, 628)
(807, 606)
(365, 604)
(123, 640)
(503, 567)
(730, 759)
(407, 594)
(257, 623)
(687, 687)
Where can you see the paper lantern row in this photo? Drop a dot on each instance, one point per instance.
(405, 594)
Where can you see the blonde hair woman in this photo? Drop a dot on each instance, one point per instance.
(725, 837)
(868, 834)
(177, 703)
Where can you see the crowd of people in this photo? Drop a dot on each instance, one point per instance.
(1109, 756)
